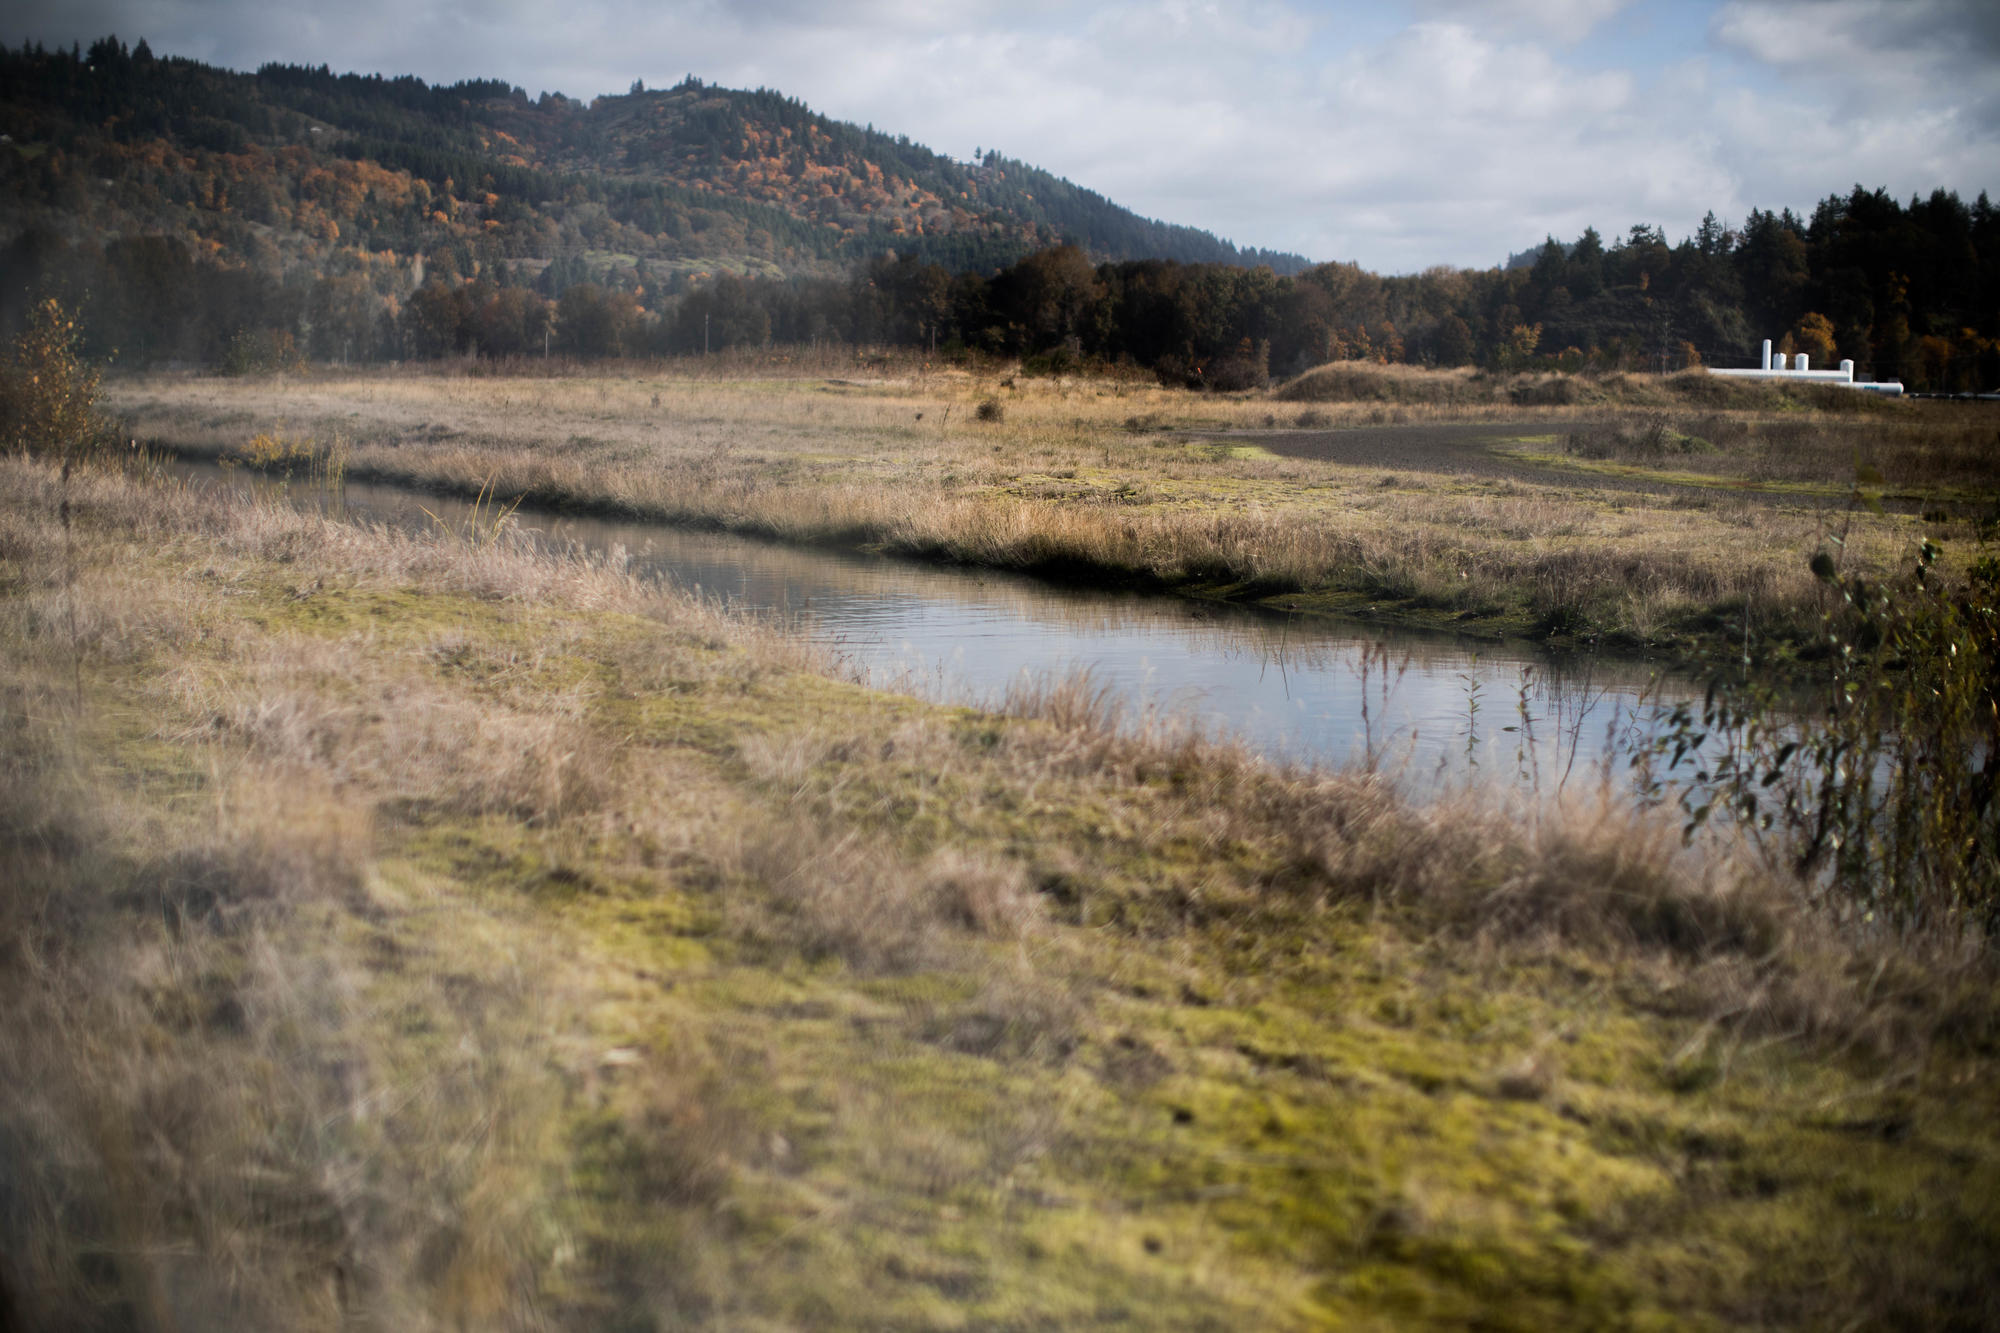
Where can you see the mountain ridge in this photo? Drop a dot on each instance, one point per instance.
(688, 178)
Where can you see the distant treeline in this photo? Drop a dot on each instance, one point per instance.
(202, 216)
(1906, 292)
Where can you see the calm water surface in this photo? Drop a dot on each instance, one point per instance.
(1433, 708)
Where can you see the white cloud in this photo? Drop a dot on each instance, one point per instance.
(1563, 20)
(1874, 55)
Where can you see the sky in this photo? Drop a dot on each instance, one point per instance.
(1395, 135)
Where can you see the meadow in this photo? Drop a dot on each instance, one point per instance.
(1676, 518)
(442, 931)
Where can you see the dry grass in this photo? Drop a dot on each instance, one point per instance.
(414, 933)
(204, 1126)
(1367, 382)
(212, 1125)
(1944, 450)
(1109, 482)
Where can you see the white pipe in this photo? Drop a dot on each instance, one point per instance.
(1781, 366)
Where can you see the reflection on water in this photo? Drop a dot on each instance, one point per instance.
(1431, 707)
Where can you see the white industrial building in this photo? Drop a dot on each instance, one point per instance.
(1775, 368)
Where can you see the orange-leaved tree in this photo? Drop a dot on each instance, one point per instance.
(1813, 335)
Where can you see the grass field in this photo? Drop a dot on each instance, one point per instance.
(437, 933)
(1670, 517)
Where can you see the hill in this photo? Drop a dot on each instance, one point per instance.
(302, 167)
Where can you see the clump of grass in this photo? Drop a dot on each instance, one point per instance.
(484, 522)
(319, 463)
(1649, 438)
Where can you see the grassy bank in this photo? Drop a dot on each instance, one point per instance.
(434, 933)
(1527, 533)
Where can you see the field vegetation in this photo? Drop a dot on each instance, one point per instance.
(1671, 516)
(442, 932)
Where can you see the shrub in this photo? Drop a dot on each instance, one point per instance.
(1055, 362)
(1887, 798)
(262, 352)
(1648, 438)
(1248, 367)
(1555, 391)
(1177, 372)
(48, 392)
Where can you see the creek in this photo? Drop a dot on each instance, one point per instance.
(1434, 710)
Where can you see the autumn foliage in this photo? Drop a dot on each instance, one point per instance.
(48, 391)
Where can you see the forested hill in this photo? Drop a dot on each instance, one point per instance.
(896, 194)
(113, 142)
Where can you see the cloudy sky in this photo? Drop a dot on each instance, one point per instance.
(1399, 135)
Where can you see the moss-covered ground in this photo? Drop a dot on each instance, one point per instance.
(561, 954)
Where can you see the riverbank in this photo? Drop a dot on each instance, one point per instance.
(1111, 484)
(438, 932)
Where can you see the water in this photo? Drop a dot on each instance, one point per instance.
(1433, 709)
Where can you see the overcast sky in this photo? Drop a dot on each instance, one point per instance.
(1399, 135)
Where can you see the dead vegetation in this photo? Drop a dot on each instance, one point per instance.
(431, 933)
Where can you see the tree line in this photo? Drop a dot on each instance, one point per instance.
(1906, 291)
